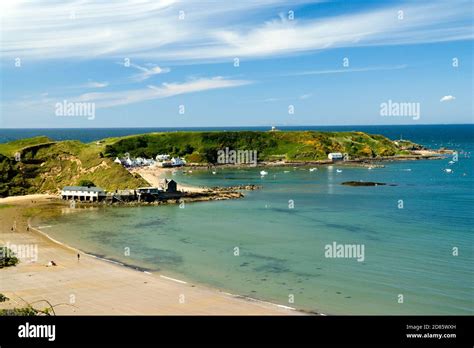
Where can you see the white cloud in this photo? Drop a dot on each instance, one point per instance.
(165, 90)
(447, 98)
(270, 100)
(150, 29)
(346, 70)
(93, 84)
(146, 73)
(305, 96)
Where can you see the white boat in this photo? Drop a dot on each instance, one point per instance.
(451, 162)
(448, 170)
(338, 170)
(312, 169)
(263, 173)
(214, 173)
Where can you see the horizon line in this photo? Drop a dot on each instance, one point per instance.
(247, 126)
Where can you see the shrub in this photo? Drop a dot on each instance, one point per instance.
(87, 183)
(7, 257)
(22, 312)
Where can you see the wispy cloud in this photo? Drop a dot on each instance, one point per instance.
(447, 98)
(345, 70)
(151, 29)
(94, 84)
(150, 92)
(146, 73)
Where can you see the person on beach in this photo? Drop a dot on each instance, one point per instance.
(78, 257)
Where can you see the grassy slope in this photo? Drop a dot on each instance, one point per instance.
(9, 149)
(47, 166)
(292, 146)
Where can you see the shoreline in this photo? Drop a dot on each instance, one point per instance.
(155, 174)
(180, 281)
(103, 284)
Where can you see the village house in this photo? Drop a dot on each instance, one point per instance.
(177, 162)
(83, 193)
(335, 156)
(163, 157)
(169, 186)
(135, 162)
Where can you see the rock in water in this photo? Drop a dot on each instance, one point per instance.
(365, 183)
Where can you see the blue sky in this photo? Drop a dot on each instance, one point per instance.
(183, 53)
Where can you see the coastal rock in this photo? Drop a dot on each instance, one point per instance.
(365, 183)
(235, 188)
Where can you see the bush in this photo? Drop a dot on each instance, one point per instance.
(87, 183)
(23, 312)
(7, 257)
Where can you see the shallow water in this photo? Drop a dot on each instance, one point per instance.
(281, 250)
(407, 251)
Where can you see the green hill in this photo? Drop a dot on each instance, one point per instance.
(202, 147)
(47, 166)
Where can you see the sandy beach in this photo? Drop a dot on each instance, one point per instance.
(155, 175)
(92, 286)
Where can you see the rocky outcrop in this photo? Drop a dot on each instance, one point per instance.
(365, 183)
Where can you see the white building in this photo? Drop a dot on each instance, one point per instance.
(177, 162)
(83, 193)
(163, 157)
(335, 156)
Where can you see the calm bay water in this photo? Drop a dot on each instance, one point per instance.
(281, 250)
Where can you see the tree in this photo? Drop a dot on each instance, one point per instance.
(87, 183)
(7, 257)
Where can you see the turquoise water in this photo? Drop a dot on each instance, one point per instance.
(281, 250)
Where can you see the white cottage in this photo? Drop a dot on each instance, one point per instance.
(163, 157)
(177, 162)
(334, 156)
(83, 193)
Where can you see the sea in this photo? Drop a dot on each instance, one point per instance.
(407, 247)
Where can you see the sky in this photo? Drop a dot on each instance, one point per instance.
(166, 63)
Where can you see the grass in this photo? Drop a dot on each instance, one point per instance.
(293, 146)
(9, 149)
(47, 166)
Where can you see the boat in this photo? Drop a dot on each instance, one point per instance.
(263, 173)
